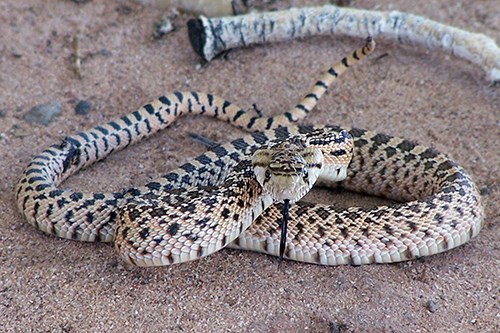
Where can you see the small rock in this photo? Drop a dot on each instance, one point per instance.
(3, 113)
(4, 138)
(124, 10)
(163, 27)
(487, 189)
(104, 52)
(336, 328)
(5, 286)
(83, 107)
(432, 306)
(43, 114)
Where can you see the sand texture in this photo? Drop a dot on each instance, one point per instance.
(54, 285)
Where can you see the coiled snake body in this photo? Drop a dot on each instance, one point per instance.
(184, 215)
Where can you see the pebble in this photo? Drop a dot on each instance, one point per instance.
(104, 52)
(333, 327)
(83, 107)
(432, 306)
(43, 113)
(163, 27)
(4, 138)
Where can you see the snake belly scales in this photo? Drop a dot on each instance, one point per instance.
(438, 207)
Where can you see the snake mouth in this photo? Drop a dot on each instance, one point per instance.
(288, 182)
(291, 187)
(333, 173)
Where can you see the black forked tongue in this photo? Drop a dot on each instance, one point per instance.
(284, 224)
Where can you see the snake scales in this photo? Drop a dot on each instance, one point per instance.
(181, 216)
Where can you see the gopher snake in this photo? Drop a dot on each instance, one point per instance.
(440, 206)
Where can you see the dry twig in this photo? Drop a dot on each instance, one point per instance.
(210, 37)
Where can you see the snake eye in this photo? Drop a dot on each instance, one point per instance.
(268, 174)
(305, 174)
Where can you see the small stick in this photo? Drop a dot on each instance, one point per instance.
(204, 141)
(210, 37)
(423, 276)
(77, 65)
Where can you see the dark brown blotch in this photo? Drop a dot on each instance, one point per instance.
(173, 229)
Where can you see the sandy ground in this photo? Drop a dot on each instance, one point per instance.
(54, 285)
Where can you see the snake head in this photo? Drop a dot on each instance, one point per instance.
(287, 170)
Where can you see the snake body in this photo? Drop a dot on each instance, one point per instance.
(439, 207)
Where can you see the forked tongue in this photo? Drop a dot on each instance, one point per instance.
(284, 225)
